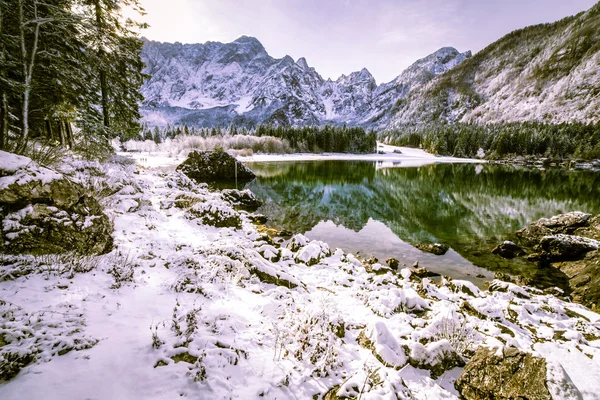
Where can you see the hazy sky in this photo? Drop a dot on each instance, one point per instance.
(341, 36)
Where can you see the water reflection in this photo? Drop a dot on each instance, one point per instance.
(468, 207)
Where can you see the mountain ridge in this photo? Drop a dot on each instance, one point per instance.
(548, 72)
(239, 82)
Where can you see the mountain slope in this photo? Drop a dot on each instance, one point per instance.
(223, 83)
(547, 72)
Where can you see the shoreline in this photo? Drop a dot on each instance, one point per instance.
(392, 156)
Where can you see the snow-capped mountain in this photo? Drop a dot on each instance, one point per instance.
(222, 83)
(547, 72)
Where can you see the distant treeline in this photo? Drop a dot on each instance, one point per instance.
(315, 139)
(495, 141)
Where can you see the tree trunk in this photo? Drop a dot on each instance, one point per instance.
(3, 121)
(61, 132)
(49, 132)
(3, 101)
(28, 61)
(103, 84)
(69, 132)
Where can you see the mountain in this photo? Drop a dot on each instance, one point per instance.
(547, 72)
(239, 82)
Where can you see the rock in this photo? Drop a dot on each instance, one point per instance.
(433, 248)
(214, 166)
(215, 214)
(423, 273)
(566, 247)
(508, 250)
(516, 279)
(242, 199)
(568, 242)
(436, 357)
(592, 230)
(43, 212)
(312, 253)
(565, 223)
(258, 219)
(584, 279)
(511, 375)
(392, 263)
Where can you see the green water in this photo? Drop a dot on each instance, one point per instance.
(364, 208)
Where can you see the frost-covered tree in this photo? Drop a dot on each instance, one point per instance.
(116, 46)
(59, 65)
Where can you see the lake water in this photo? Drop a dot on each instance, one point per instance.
(375, 209)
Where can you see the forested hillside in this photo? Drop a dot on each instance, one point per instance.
(548, 73)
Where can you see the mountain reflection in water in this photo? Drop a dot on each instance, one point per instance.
(365, 207)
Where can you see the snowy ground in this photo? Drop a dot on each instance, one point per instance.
(184, 309)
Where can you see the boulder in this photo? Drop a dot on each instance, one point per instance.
(214, 166)
(422, 272)
(393, 263)
(433, 248)
(565, 224)
(215, 214)
(44, 212)
(242, 199)
(566, 247)
(512, 374)
(570, 243)
(508, 250)
(584, 279)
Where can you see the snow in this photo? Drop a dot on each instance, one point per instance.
(11, 162)
(408, 157)
(20, 170)
(180, 308)
(244, 104)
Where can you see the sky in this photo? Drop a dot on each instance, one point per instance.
(341, 36)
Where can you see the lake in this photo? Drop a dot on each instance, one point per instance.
(374, 208)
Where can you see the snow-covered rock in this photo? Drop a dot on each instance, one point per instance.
(43, 211)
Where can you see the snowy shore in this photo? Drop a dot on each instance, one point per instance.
(183, 308)
(390, 156)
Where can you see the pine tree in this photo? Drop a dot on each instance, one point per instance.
(116, 46)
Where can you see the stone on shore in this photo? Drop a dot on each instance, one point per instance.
(214, 166)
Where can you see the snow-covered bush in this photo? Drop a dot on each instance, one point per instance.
(456, 330)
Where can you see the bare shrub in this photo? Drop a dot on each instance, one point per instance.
(122, 270)
(45, 154)
(156, 341)
(455, 329)
(310, 332)
(66, 264)
(184, 144)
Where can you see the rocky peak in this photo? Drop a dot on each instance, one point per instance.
(243, 75)
(302, 63)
